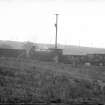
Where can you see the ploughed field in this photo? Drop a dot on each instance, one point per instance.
(47, 83)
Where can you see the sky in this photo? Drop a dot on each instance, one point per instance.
(80, 22)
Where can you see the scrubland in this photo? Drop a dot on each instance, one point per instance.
(35, 82)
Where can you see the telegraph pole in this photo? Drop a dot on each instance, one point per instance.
(56, 26)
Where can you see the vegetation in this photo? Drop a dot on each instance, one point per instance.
(27, 81)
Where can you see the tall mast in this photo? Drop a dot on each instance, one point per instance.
(56, 26)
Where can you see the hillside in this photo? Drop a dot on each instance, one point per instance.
(29, 81)
(67, 49)
(13, 44)
(76, 50)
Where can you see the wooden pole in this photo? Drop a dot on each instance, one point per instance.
(56, 26)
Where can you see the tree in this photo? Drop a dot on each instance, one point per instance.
(28, 46)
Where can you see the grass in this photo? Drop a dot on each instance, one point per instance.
(27, 81)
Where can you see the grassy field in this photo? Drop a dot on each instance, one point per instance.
(30, 81)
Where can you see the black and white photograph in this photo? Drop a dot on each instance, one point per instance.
(52, 52)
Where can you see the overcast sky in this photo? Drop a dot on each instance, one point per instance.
(81, 22)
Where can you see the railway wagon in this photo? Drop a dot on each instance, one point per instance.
(73, 59)
(42, 55)
(46, 55)
(92, 59)
(96, 59)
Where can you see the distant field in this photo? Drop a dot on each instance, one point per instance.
(30, 81)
